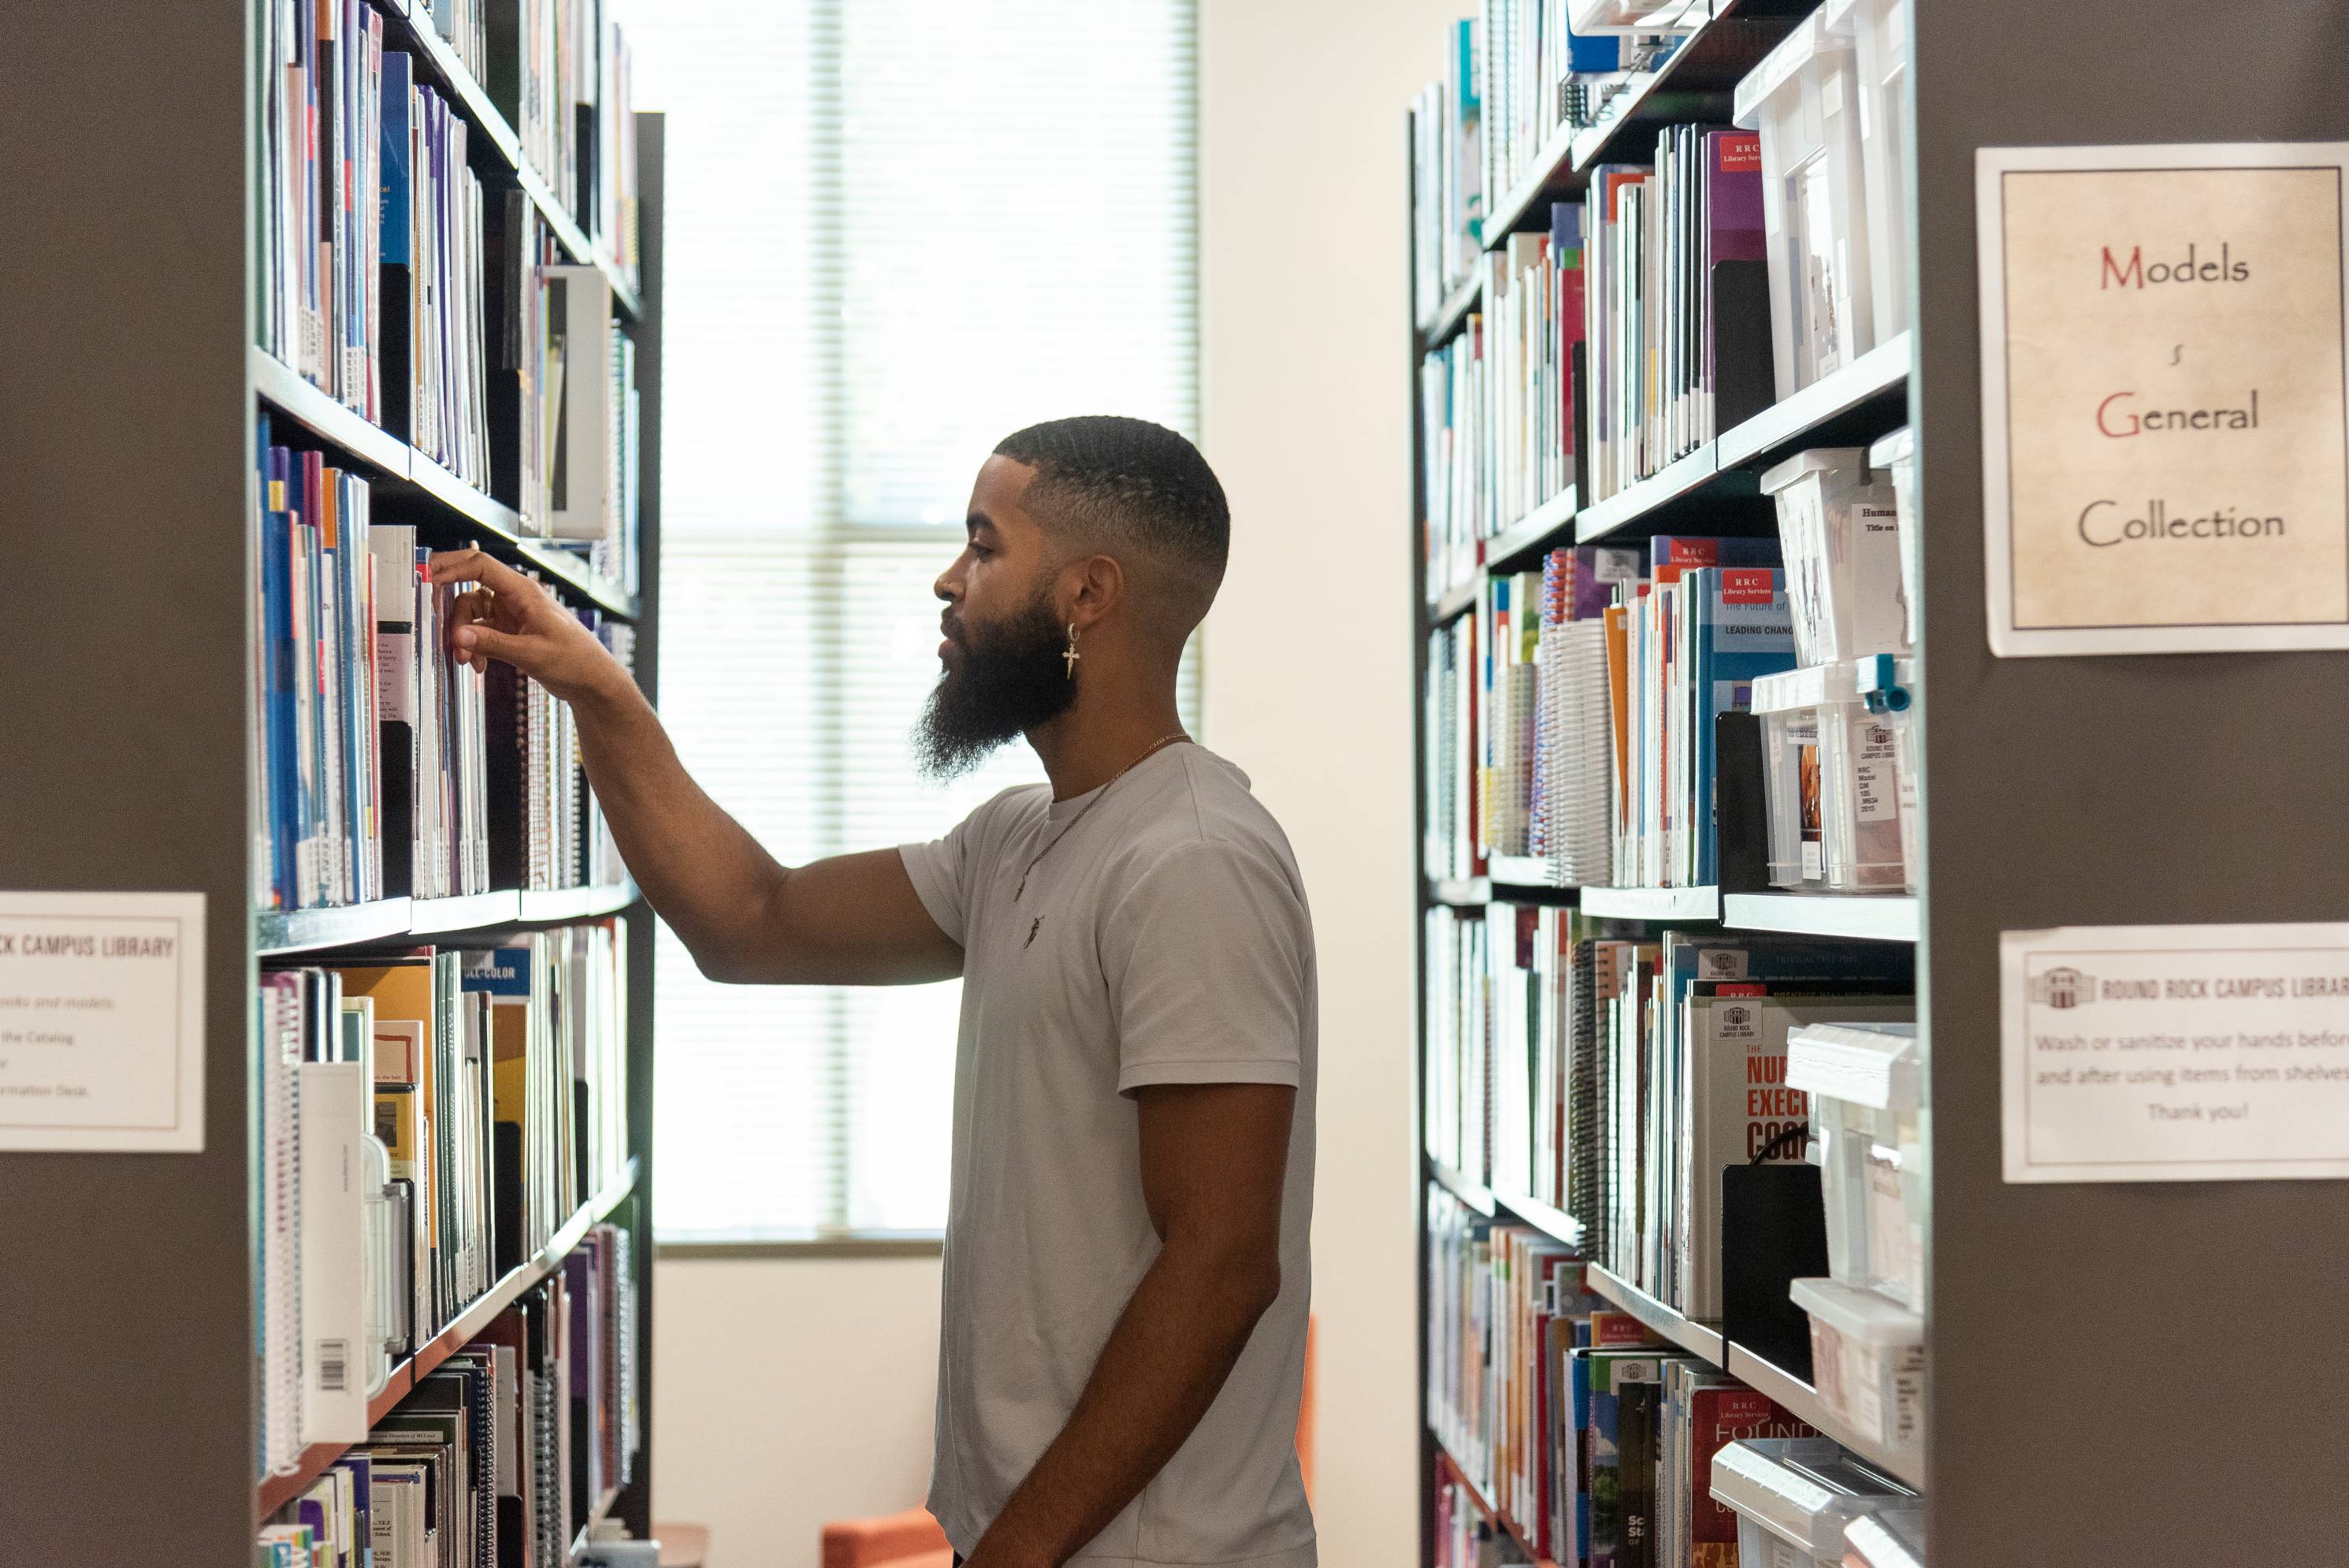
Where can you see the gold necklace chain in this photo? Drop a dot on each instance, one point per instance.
(1147, 752)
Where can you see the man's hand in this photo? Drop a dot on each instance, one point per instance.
(509, 617)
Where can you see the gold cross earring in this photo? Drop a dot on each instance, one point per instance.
(1071, 657)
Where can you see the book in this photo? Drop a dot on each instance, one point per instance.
(1738, 1107)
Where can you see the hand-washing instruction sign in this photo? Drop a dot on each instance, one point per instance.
(2165, 427)
(102, 1021)
(2176, 1053)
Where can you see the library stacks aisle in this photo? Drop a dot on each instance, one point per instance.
(1727, 802)
(294, 295)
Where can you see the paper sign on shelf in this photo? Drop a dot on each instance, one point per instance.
(2165, 425)
(102, 1021)
(2174, 1053)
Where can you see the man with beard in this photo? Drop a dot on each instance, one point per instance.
(1126, 1265)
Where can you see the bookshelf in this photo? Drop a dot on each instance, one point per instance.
(2055, 791)
(130, 392)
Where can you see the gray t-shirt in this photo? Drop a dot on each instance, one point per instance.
(1165, 941)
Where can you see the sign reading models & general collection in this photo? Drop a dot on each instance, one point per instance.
(2166, 433)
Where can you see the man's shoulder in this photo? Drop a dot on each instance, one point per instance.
(1201, 798)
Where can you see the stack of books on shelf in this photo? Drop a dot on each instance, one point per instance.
(1456, 505)
(1460, 1001)
(1683, 1057)
(560, 75)
(1447, 174)
(387, 769)
(438, 306)
(1591, 1442)
(1455, 781)
(1675, 289)
(322, 113)
(430, 1120)
(1735, 267)
(504, 1451)
(1608, 713)
(1532, 324)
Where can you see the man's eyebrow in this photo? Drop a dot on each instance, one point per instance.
(979, 520)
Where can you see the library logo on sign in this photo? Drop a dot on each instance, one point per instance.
(2063, 988)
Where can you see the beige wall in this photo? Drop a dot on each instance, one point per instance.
(787, 1394)
(1308, 655)
(790, 1393)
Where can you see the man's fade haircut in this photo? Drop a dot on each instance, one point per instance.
(1122, 486)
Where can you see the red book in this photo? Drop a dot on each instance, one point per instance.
(1717, 1418)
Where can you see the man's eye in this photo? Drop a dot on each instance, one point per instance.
(979, 551)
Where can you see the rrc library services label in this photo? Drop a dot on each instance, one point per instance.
(2176, 1053)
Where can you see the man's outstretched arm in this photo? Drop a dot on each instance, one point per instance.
(1215, 1158)
(850, 920)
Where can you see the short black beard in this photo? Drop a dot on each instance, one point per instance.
(1010, 680)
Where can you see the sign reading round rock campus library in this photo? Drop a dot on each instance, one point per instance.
(2165, 430)
(2176, 1053)
(102, 1021)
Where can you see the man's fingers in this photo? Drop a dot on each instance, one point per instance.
(468, 609)
(480, 641)
(477, 566)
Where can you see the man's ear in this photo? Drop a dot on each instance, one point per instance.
(1091, 587)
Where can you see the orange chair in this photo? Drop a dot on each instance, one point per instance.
(913, 1539)
(908, 1540)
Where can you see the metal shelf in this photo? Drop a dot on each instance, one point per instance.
(277, 1490)
(1460, 893)
(467, 501)
(1454, 603)
(1552, 174)
(1476, 1194)
(1697, 1338)
(1803, 1400)
(1801, 421)
(1547, 525)
(1671, 904)
(282, 388)
(1485, 1506)
(1521, 872)
(1450, 315)
(576, 902)
(1863, 916)
(601, 1510)
(1555, 1223)
(460, 508)
(277, 933)
(1799, 1399)
(465, 911)
(1693, 474)
(1695, 84)
(493, 139)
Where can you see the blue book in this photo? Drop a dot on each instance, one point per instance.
(1741, 628)
(393, 212)
(277, 670)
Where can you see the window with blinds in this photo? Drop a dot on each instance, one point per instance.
(896, 232)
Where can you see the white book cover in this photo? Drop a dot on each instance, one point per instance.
(584, 504)
(1735, 1047)
(336, 1107)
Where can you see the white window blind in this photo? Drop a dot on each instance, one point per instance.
(896, 232)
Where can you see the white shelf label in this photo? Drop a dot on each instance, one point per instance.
(102, 1021)
(2176, 1053)
(2165, 425)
